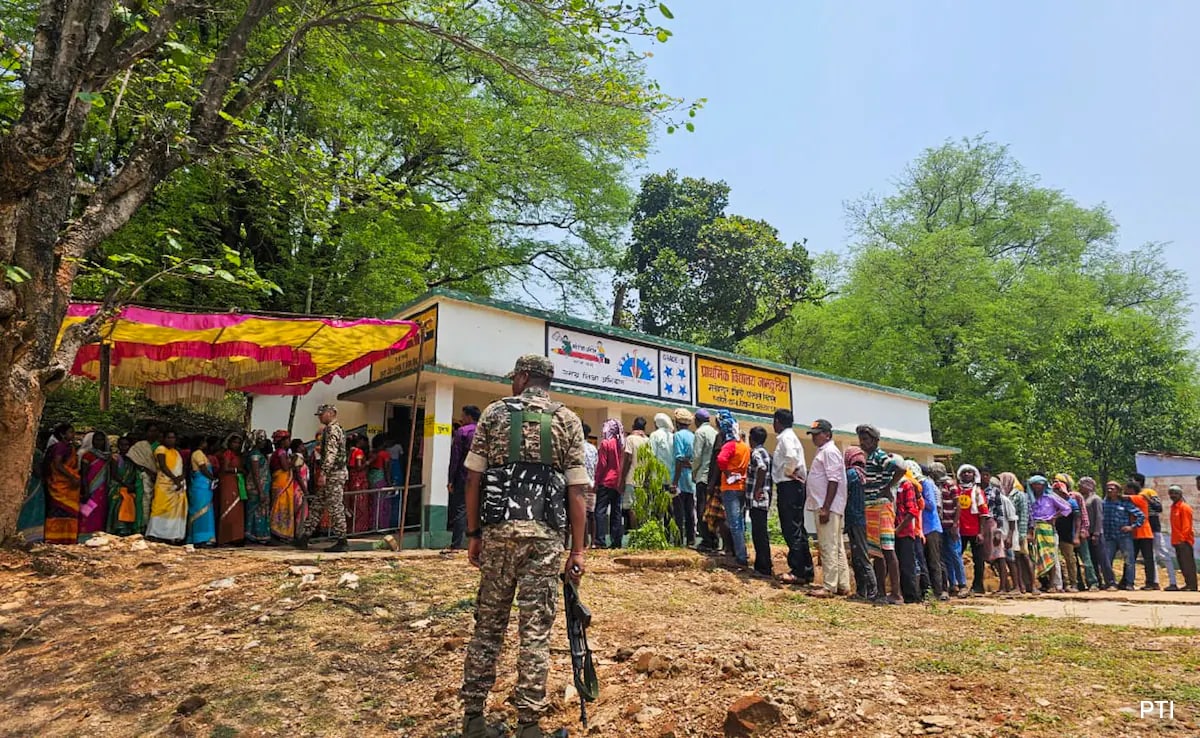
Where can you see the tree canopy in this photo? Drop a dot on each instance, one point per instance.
(1016, 308)
(705, 276)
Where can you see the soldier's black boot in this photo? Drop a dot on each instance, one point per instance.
(533, 730)
(339, 547)
(474, 726)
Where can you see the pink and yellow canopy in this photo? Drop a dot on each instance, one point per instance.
(195, 357)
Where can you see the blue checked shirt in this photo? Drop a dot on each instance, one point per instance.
(1118, 513)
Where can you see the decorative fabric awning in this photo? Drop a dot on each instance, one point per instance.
(179, 357)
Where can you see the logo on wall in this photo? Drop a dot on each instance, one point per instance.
(636, 367)
(587, 352)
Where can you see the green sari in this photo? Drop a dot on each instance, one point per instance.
(125, 494)
(32, 520)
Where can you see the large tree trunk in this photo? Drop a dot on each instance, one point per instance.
(30, 315)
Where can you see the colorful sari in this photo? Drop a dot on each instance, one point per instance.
(142, 454)
(202, 521)
(1045, 545)
(358, 505)
(258, 499)
(385, 504)
(93, 513)
(62, 498)
(287, 497)
(169, 508)
(231, 491)
(124, 498)
(31, 522)
(881, 528)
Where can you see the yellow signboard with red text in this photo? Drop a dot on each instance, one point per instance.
(407, 360)
(741, 388)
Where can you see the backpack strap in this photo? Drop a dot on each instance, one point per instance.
(518, 416)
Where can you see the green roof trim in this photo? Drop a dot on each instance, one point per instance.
(612, 397)
(617, 332)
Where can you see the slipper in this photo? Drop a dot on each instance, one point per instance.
(819, 592)
(787, 578)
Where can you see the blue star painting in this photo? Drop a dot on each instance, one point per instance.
(670, 388)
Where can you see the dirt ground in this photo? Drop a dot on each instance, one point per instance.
(115, 642)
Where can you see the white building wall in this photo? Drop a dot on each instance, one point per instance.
(270, 413)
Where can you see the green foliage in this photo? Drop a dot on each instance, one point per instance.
(77, 401)
(973, 283)
(649, 536)
(687, 254)
(651, 498)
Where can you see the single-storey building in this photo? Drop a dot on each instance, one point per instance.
(601, 371)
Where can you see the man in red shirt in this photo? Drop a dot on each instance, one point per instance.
(1182, 537)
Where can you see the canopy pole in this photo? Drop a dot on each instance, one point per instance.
(412, 434)
(307, 310)
(105, 375)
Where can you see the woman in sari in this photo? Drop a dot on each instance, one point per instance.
(202, 521)
(94, 465)
(124, 492)
(379, 475)
(300, 473)
(169, 508)
(62, 487)
(357, 506)
(31, 522)
(231, 494)
(258, 490)
(286, 496)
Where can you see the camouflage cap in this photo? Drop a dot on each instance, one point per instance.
(326, 409)
(533, 364)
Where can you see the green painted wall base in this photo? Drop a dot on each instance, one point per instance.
(436, 535)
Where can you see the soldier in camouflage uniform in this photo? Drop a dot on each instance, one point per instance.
(332, 475)
(519, 555)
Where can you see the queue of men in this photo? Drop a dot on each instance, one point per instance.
(529, 489)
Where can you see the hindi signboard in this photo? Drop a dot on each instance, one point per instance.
(406, 361)
(741, 388)
(605, 363)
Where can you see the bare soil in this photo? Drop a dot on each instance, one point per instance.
(114, 642)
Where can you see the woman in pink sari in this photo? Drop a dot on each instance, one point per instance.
(94, 467)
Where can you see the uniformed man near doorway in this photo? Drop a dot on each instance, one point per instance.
(525, 484)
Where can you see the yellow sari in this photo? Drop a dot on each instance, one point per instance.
(168, 509)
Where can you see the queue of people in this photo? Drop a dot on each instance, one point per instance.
(910, 528)
(209, 491)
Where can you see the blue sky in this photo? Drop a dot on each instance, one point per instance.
(814, 103)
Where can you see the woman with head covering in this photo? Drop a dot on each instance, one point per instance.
(31, 522)
(865, 586)
(610, 529)
(231, 493)
(258, 489)
(1043, 511)
(908, 531)
(1016, 506)
(62, 488)
(973, 509)
(998, 528)
(286, 495)
(124, 492)
(94, 469)
(733, 461)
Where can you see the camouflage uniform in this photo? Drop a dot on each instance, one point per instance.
(519, 556)
(332, 458)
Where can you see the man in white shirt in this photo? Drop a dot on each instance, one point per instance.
(703, 450)
(827, 499)
(788, 471)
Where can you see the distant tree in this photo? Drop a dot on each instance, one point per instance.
(705, 276)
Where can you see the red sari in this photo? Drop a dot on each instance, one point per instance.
(231, 488)
(359, 505)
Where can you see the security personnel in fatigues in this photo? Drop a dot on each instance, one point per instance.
(332, 475)
(525, 482)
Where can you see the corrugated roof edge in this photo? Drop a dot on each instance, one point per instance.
(607, 396)
(513, 307)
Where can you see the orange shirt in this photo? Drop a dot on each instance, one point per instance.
(1181, 524)
(734, 462)
(1144, 505)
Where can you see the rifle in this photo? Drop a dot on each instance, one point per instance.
(579, 617)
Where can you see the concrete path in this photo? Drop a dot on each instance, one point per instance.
(1142, 609)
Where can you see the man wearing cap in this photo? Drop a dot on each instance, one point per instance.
(703, 451)
(788, 471)
(525, 484)
(332, 475)
(827, 499)
(1182, 538)
(685, 499)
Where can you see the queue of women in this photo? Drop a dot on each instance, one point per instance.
(204, 491)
